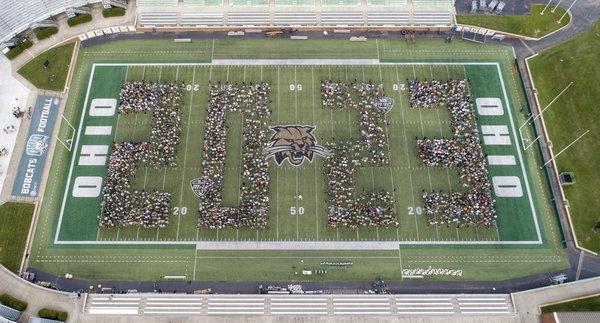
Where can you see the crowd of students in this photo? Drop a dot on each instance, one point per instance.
(347, 208)
(251, 100)
(464, 150)
(121, 205)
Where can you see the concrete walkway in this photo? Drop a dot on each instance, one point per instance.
(38, 297)
(528, 302)
(12, 94)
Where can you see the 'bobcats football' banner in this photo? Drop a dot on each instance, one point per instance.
(31, 166)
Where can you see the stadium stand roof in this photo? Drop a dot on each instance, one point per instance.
(17, 15)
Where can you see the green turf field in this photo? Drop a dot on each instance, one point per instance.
(68, 237)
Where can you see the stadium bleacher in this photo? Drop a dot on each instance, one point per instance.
(248, 2)
(428, 18)
(202, 3)
(340, 2)
(388, 18)
(295, 2)
(428, 3)
(295, 18)
(386, 2)
(201, 19)
(17, 16)
(157, 3)
(342, 18)
(248, 18)
(161, 19)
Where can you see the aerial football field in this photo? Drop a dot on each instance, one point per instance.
(525, 239)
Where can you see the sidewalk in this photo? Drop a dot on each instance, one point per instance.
(12, 94)
(38, 297)
(527, 303)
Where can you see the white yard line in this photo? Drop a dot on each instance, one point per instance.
(187, 137)
(437, 232)
(277, 168)
(387, 139)
(312, 75)
(296, 118)
(412, 189)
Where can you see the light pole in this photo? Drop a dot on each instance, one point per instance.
(546, 7)
(571, 6)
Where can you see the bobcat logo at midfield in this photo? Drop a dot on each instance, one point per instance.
(294, 143)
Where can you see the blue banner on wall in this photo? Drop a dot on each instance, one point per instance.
(33, 160)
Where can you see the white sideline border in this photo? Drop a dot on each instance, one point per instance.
(307, 245)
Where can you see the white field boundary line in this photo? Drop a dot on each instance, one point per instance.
(368, 245)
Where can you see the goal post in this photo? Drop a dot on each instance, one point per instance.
(68, 130)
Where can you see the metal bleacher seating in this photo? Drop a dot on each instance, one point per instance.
(386, 2)
(294, 2)
(201, 3)
(281, 13)
(340, 2)
(248, 18)
(201, 19)
(159, 19)
(249, 2)
(294, 18)
(433, 2)
(157, 3)
(342, 18)
(388, 18)
(430, 18)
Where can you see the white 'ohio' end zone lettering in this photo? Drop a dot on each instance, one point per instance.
(93, 155)
(87, 186)
(489, 107)
(103, 107)
(495, 135)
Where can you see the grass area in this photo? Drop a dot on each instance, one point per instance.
(19, 49)
(15, 219)
(55, 75)
(572, 114)
(589, 304)
(137, 262)
(113, 12)
(535, 25)
(15, 303)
